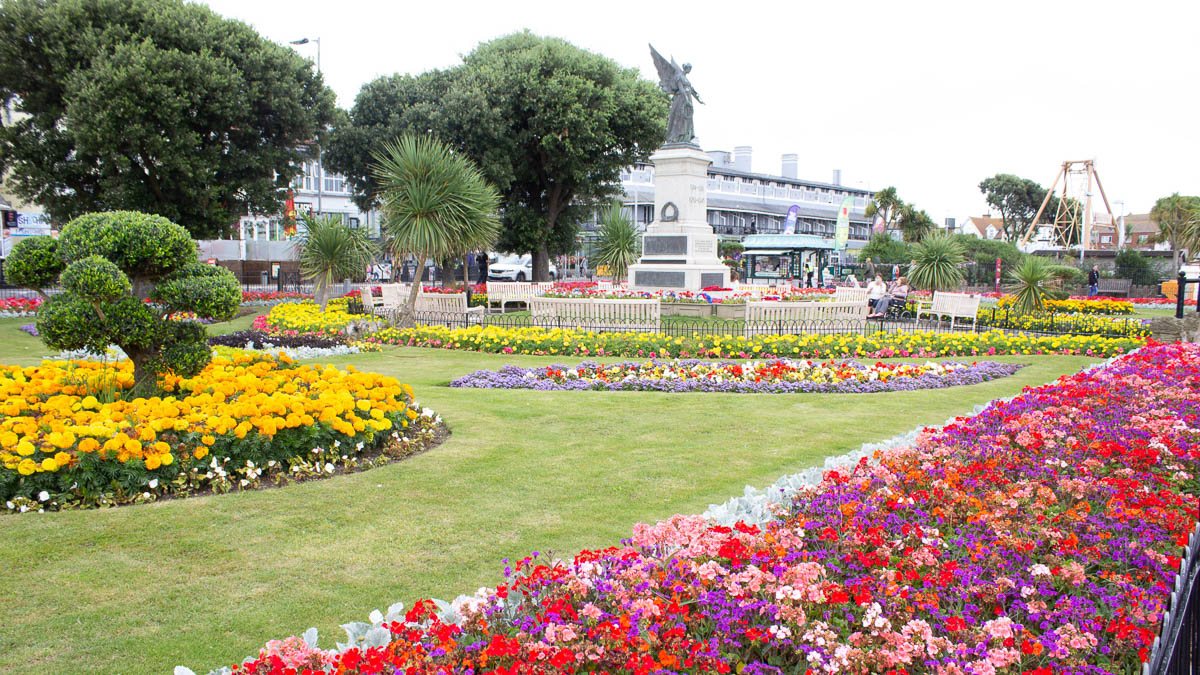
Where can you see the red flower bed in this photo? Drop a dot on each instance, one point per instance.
(1040, 536)
(24, 305)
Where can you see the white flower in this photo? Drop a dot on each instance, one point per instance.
(146, 495)
(329, 467)
(153, 483)
(43, 496)
(11, 506)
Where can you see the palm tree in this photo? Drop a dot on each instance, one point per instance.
(937, 264)
(914, 224)
(618, 246)
(329, 251)
(1036, 280)
(435, 204)
(1178, 218)
(887, 204)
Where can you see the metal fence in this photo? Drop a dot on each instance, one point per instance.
(1053, 323)
(1176, 649)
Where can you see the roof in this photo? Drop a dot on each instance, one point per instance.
(785, 241)
(730, 171)
(980, 223)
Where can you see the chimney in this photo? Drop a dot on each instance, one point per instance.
(720, 159)
(837, 176)
(790, 168)
(741, 157)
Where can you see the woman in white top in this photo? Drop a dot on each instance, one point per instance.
(876, 290)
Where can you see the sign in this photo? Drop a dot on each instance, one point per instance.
(274, 270)
(789, 225)
(304, 208)
(211, 261)
(997, 275)
(27, 224)
(880, 225)
(843, 224)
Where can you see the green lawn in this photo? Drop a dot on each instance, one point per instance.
(205, 581)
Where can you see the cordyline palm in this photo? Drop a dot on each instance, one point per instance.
(435, 204)
(618, 246)
(1034, 281)
(331, 250)
(887, 204)
(937, 264)
(913, 223)
(1178, 219)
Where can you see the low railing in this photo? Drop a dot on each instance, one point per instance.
(1176, 649)
(1052, 323)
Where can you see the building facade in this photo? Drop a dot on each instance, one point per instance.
(742, 202)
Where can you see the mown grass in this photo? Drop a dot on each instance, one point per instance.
(205, 581)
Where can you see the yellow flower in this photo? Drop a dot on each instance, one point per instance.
(49, 464)
(26, 467)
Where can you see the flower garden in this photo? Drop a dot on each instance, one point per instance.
(782, 376)
(1041, 535)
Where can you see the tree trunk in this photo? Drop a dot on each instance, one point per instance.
(406, 315)
(145, 380)
(541, 262)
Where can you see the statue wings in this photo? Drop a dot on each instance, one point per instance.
(668, 71)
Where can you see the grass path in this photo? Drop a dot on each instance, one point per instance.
(204, 582)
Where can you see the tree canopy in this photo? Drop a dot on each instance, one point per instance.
(887, 205)
(156, 106)
(1178, 220)
(549, 124)
(1017, 199)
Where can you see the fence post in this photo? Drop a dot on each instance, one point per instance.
(1180, 293)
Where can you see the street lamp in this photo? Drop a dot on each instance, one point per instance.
(320, 167)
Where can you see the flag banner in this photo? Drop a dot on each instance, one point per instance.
(843, 224)
(789, 225)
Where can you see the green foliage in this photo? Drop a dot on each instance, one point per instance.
(729, 249)
(331, 250)
(914, 224)
(33, 263)
(1178, 219)
(618, 245)
(1131, 264)
(937, 264)
(212, 292)
(883, 250)
(887, 204)
(141, 245)
(110, 261)
(1068, 275)
(1032, 282)
(983, 252)
(549, 124)
(435, 202)
(157, 106)
(1017, 199)
(95, 279)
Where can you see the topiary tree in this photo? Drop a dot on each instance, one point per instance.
(110, 266)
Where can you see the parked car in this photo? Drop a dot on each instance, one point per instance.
(516, 268)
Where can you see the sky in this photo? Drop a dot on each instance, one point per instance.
(931, 97)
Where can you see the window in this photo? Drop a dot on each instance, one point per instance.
(1143, 238)
(1106, 239)
(335, 183)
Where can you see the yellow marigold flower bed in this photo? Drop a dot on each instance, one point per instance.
(68, 439)
(307, 317)
(575, 342)
(1079, 306)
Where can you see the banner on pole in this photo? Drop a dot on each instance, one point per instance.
(843, 224)
(789, 225)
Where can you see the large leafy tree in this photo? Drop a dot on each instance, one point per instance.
(109, 265)
(152, 105)
(435, 203)
(549, 124)
(1178, 219)
(1017, 199)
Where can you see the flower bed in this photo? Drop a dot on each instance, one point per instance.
(15, 307)
(307, 317)
(265, 298)
(573, 342)
(1079, 324)
(67, 440)
(782, 376)
(1040, 536)
(1154, 301)
(1077, 305)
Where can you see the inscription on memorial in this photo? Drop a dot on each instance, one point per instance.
(711, 279)
(664, 245)
(663, 279)
(704, 246)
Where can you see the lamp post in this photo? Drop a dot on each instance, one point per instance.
(320, 168)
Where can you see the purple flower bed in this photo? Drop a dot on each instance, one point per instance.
(833, 377)
(30, 328)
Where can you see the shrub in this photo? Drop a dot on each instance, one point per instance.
(109, 264)
(884, 250)
(1132, 265)
(33, 263)
(937, 264)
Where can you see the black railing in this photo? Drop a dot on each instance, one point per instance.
(1176, 649)
(1181, 293)
(1054, 323)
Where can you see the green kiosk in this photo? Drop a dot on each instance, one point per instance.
(779, 257)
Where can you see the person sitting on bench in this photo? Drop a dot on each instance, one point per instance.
(876, 291)
(898, 297)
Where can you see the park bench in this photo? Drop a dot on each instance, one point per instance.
(504, 292)
(370, 304)
(849, 294)
(835, 315)
(953, 305)
(599, 314)
(449, 309)
(1115, 287)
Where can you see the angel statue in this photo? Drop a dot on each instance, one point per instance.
(673, 80)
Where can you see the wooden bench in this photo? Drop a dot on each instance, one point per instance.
(1119, 287)
(849, 294)
(446, 309)
(953, 305)
(597, 314)
(371, 304)
(504, 292)
(770, 316)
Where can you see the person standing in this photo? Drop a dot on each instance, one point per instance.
(481, 259)
(809, 271)
(1094, 281)
(870, 270)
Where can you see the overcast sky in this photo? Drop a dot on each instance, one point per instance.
(931, 97)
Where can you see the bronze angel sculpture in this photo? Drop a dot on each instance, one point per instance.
(673, 79)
